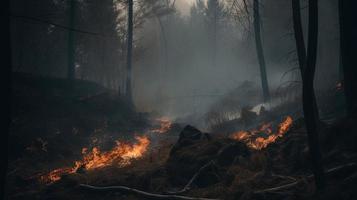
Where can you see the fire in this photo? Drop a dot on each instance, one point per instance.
(165, 125)
(121, 155)
(254, 141)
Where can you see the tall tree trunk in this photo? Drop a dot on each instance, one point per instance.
(71, 74)
(311, 120)
(164, 40)
(214, 61)
(128, 89)
(299, 35)
(260, 53)
(300, 46)
(348, 40)
(6, 90)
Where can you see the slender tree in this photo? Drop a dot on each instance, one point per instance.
(348, 40)
(260, 52)
(299, 35)
(311, 120)
(128, 90)
(6, 90)
(214, 13)
(300, 45)
(71, 43)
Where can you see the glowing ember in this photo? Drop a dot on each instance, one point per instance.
(121, 155)
(165, 125)
(255, 141)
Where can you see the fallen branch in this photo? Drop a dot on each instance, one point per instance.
(140, 193)
(197, 174)
(274, 189)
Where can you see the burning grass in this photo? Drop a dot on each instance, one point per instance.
(260, 138)
(121, 155)
(165, 125)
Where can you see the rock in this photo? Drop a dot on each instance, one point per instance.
(189, 136)
(195, 149)
(190, 133)
(229, 153)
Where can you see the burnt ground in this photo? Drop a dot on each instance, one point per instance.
(54, 119)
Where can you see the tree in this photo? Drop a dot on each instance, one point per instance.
(300, 46)
(214, 13)
(71, 74)
(260, 52)
(348, 40)
(311, 120)
(6, 90)
(128, 89)
(299, 35)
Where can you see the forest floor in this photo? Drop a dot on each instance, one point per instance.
(54, 119)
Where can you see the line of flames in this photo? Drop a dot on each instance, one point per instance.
(121, 155)
(165, 125)
(254, 141)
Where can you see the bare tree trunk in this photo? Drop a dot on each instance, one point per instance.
(6, 90)
(348, 33)
(164, 39)
(311, 120)
(71, 46)
(299, 35)
(215, 37)
(300, 46)
(260, 53)
(128, 90)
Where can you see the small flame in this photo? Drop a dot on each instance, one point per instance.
(165, 125)
(121, 155)
(254, 141)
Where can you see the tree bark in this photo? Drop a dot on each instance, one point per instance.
(71, 74)
(311, 120)
(260, 53)
(300, 46)
(164, 39)
(299, 34)
(128, 89)
(348, 43)
(6, 90)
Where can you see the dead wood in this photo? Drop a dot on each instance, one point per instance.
(140, 193)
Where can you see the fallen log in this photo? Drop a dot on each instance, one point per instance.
(140, 192)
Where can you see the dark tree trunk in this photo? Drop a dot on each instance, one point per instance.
(348, 40)
(71, 74)
(299, 34)
(128, 90)
(300, 45)
(6, 90)
(311, 120)
(260, 53)
(164, 39)
(214, 61)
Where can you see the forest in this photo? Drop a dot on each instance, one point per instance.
(179, 99)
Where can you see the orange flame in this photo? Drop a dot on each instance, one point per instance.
(165, 125)
(258, 142)
(121, 155)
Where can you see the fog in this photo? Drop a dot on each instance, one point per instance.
(191, 83)
(185, 62)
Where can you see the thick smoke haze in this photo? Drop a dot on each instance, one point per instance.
(184, 60)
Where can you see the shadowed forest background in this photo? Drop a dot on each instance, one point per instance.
(181, 99)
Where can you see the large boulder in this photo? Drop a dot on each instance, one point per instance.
(194, 150)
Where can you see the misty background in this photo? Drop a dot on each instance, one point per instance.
(181, 67)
